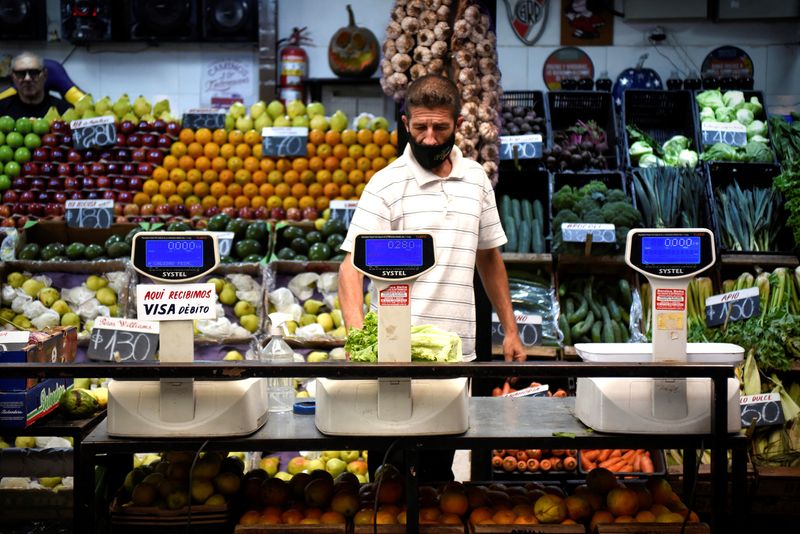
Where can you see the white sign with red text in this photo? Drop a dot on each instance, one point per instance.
(167, 302)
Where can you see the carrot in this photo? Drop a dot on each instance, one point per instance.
(572, 452)
(545, 465)
(497, 462)
(604, 454)
(533, 465)
(628, 456)
(570, 463)
(535, 454)
(647, 464)
(496, 392)
(616, 453)
(522, 466)
(558, 452)
(501, 452)
(558, 464)
(506, 388)
(590, 454)
(611, 461)
(626, 468)
(616, 466)
(522, 456)
(509, 463)
(587, 464)
(637, 464)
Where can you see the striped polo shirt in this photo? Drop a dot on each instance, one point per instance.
(461, 214)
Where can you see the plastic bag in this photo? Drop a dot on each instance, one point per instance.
(282, 299)
(77, 295)
(302, 285)
(19, 302)
(118, 281)
(310, 331)
(535, 296)
(34, 308)
(8, 293)
(328, 283)
(220, 327)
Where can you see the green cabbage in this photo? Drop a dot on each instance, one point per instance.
(757, 152)
(707, 114)
(754, 105)
(687, 158)
(720, 152)
(710, 99)
(732, 99)
(744, 116)
(639, 149)
(760, 139)
(724, 114)
(675, 144)
(651, 160)
(757, 128)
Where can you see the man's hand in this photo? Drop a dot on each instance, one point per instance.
(513, 349)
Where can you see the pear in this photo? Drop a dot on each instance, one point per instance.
(338, 121)
(283, 120)
(52, 115)
(89, 114)
(244, 124)
(258, 109)
(312, 305)
(147, 117)
(166, 116)
(129, 116)
(108, 113)
(319, 122)
(363, 121)
(70, 115)
(295, 108)
(102, 105)
(141, 106)
(122, 106)
(276, 109)
(263, 121)
(160, 107)
(230, 123)
(84, 103)
(237, 110)
(315, 109)
(300, 121)
(379, 123)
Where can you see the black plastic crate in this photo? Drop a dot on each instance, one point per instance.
(529, 99)
(567, 107)
(747, 175)
(530, 185)
(659, 114)
(764, 117)
(705, 202)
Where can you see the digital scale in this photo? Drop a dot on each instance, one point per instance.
(393, 406)
(181, 407)
(669, 259)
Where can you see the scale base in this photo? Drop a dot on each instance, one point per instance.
(350, 408)
(627, 405)
(221, 408)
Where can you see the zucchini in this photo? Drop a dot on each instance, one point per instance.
(613, 309)
(516, 209)
(596, 328)
(511, 234)
(584, 326)
(537, 236)
(524, 236)
(527, 210)
(625, 290)
(538, 212)
(608, 332)
(563, 325)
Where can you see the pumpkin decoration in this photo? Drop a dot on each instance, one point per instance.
(353, 51)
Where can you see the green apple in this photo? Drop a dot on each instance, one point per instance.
(314, 465)
(270, 465)
(307, 319)
(335, 466)
(315, 109)
(258, 109)
(319, 122)
(283, 121)
(296, 465)
(237, 110)
(349, 456)
(16, 279)
(338, 121)
(245, 124)
(60, 307)
(338, 320)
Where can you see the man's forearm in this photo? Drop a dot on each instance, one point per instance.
(493, 274)
(351, 294)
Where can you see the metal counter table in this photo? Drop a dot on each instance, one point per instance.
(494, 422)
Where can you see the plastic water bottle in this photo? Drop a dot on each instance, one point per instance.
(280, 391)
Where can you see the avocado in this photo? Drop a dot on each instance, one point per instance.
(218, 222)
(246, 247)
(257, 230)
(313, 237)
(338, 257)
(333, 226)
(115, 238)
(319, 252)
(52, 250)
(29, 252)
(286, 254)
(120, 249)
(238, 226)
(75, 251)
(93, 252)
(300, 257)
(252, 258)
(129, 236)
(227, 259)
(291, 232)
(299, 245)
(178, 226)
(334, 241)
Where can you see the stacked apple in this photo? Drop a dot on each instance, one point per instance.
(20, 147)
(314, 498)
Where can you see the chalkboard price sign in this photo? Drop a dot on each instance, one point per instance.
(765, 409)
(118, 340)
(96, 132)
(89, 213)
(343, 210)
(529, 326)
(210, 118)
(528, 146)
(733, 306)
(729, 133)
(578, 232)
(11, 340)
(285, 141)
(225, 242)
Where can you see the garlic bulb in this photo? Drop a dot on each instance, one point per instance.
(410, 25)
(487, 65)
(401, 62)
(470, 92)
(398, 14)
(490, 167)
(489, 152)
(472, 14)
(466, 76)
(484, 48)
(487, 114)
(489, 99)
(425, 37)
(478, 33)
(461, 29)
(463, 59)
(438, 49)
(386, 68)
(422, 54)
(404, 43)
(443, 13)
(467, 129)
(417, 71)
(489, 83)
(414, 8)
(436, 66)
(428, 19)
(441, 31)
(488, 131)
(469, 109)
(389, 48)
(433, 4)
(393, 30)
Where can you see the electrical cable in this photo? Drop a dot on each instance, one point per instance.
(679, 47)
(662, 54)
(691, 497)
(378, 480)
(191, 471)
(64, 61)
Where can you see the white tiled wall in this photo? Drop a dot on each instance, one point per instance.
(174, 70)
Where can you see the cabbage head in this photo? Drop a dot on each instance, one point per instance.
(720, 152)
(725, 114)
(688, 158)
(733, 99)
(744, 116)
(757, 128)
(711, 98)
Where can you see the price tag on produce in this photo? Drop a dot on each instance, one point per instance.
(11, 340)
(578, 232)
(225, 242)
(96, 132)
(118, 340)
(734, 306)
(765, 409)
(729, 133)
(343, 210)
(285, 141)
(535, 391)
(210, 118)
(528, 146)
(89, 213)
(529, 326)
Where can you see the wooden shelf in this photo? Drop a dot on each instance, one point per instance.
(762, 260)
(532, 259)
(550, 353)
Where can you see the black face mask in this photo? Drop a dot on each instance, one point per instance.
(431, 156)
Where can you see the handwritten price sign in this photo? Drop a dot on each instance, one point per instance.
(764, 409)
(210, 118)
(528, 146)
(96, 132)
(89, 213)
(732, 306)
(285, 141)
(729, 133)
(577, 232)
(115, 339)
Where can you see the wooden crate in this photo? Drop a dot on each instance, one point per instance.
(203, 518)
(652, 528)
(291, 529)
(38, 504)
(401, 529)
(527, 529)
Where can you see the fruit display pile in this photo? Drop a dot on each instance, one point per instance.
(580, 147)
(542, 461)
(521, 120)
(318, 244)
(122, 110)
(595, 309)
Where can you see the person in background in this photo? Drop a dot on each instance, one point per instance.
(432, 188)
(30, 97)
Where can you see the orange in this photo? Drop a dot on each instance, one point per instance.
(331, 163)
(347, 164)
(274, 201)
(504, 517)
(249, 518)
(257, 151)
(203, 136)
(225, 201)
(252, 137)
(275, 177)
(177, 149)
(258, 202)
(331, 190)
(291, 177)
(393, 137)
(314, 190)
(480, 514)
(259, 177)
(271, 515)
(364, 136)
(170, 162)
(332, 137)
(141, 198)
(250, 190)
(211, 150)
(241, 202)
(339, 177)
(217, 189)
(316, 137)
(372, 151)
(201, 189)
(380, 136)
(368, 175)
(364, 164)
(292, 517)
(355, 177)
(323, 203)
(340, 151)
(177, 175)
(210, 176)
(324, 177)
(235, 137)
(175, 200)
(299, 190)
(360, 189)
(242, 176)
(299, 164)
(186, 136)
(355, 151)
(378, 163)
(282, 190)
(235, 163)
(316, 163)
(219, 163)
(289, 202)
(194, 149)
(243, 150)
(234, 190)
(311, 150)
(332, 518)
(186, 163)
(208, 202)
(266, 190)
(349, 137)
(267, 164)
(324, 150)
(227, 150)
(191, 200)
(219, 136)
(193, 176)
(202, 164)
(388, 151)
(167, 188)
(307, 177)
(283, 164)
(306, 202)
(150, 187)
(347, 191)
(184, 189)
(160, 174)
(251, 164)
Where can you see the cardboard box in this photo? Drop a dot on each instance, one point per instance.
(20, 409)
(60, 347)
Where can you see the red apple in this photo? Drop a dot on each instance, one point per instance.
(66, 140)
(245, 213)
(98, 167)
(196, 210)
(278, 213)
(164, 141)
(149, 140)
(109, 194)
(87, 183)
(58, 154)
(163, 209)
(74, 156)
(144, 169)
(36, 209)
(76, 195)
(310, 214)
(131, 209)
(50, 140)
(43, 197)
(155, 156)
(230, 211)
(19, 183)
(173, 128)
(119, 183)
(38, 184)
(59, 127)
(106, 155)
(159, 126)
(102, 182)
(90, 154)
(65, 169)
(122, 140)
(121, 154)
(211, 211)
(144, 126)
(54, 184)
(113, 168)
(81, 168)
(261, 212)
(60, 197)
(180, 210)
(91, 195)
(134, 140)
(41, 154)
(70, 183)
(26, 197)
(147, 209)
(135, 182)
(201, 224)
(127, 127)
(125, 196)
(52, 208)
(48, 168)
(140, 154)
(128, 169)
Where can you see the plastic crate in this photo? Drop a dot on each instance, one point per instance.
(659, 114)
(567, 107)
(705, 202)
(530, 185)
(656, 455)
(764, 118)
(529, 99)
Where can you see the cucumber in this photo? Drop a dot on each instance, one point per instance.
(623, 332)
(524, 236)
(617, 332)
(613, 309)
(564, 327)
(583, 327)
(511, 234)
(625, 290)
(596, 328)
(516, 209)
(579, 314)
(505, 207)
(527, 210)
(537, 237)
(604, 313)
(538, 212)
(608, 332)
(569, 306)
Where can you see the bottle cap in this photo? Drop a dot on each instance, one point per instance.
(304, 407)
(276, 330)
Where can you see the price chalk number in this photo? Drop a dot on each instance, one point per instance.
(733, 306)
(729, 133)
(114, 339)
(578, 232)
(765, 409)
(529, 326)
(210, 118)
(286, 141)
(528, 146)
(96, 132)
(13, 340)
(89, 213)
(225, 242)
(343, 210)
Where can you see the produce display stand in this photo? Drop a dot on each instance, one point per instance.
(493, 421)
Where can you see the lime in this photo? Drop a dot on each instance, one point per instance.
(32, 141)
(6, 153)
(41, 126)
(6, 124)
(22, 155)
(24, 126)
(13, 169)
(5, 182)
(2, 138)
(15, 139)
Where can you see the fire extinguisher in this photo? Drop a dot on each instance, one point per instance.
(293, 67)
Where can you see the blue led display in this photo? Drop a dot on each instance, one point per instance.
(393, 252)
(671, 250)
(173, 253)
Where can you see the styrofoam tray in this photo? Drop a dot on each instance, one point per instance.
(643, 352)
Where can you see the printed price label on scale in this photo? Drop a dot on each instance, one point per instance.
(96, 132)
(89, 213)
(577, 232)
(529, 326)
(729, 133)
(733, 306)
(116, 339)
(210, 118)
(765, 409)
(287, 141)
(11, 340)
(528, 146)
